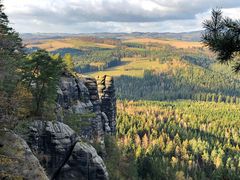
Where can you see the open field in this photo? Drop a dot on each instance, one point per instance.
(81, 43)
(136, 66)
(175, 43)
(55, 44)
(51, 45)
(137, 55)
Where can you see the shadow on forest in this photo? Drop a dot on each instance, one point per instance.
(165, 87)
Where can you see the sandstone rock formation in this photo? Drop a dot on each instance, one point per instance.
(52, 142)
(57, 147)
(74, 98)
(107, 97)
(17, 160)
(84, 95)
(97, 122)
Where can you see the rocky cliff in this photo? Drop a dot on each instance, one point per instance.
(81, 96)
(85, 111)
(17, 160)
(88, 106)
(56, 145)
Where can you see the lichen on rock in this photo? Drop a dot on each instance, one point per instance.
(17, 160)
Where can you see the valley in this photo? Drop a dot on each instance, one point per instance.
(180, 139)
(119, 90)
(177, 110)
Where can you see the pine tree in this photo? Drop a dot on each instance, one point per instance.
(11, 56)
(11, 53)
(219, 98)
(41, 74)
(145, 141)
(222, 37)
(137, 140)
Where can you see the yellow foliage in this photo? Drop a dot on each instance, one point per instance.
(174, 161)
(22, 99)
(218, 161)
(180, 175)
(145, 141)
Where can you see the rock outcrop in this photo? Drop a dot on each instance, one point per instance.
(107, 97)
(80, 95)
(97, 122)
(17, 160)
(55, 143)
(73, 99)
(87, 105)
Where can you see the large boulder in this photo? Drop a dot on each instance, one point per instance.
(57, 144)
(17, 160)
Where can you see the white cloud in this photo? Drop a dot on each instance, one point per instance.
(113, 15)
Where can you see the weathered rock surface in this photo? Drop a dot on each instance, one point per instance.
(55, 143)
(52, 143)
(17, 160)
(82, 95)
(97, 122)
(73, 98)
(107, 97)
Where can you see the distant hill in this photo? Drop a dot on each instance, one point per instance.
(185, 36)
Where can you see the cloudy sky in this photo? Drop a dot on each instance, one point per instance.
(86, 16)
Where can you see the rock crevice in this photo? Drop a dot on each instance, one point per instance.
(82, 95)
(107, 97)
(51, 141)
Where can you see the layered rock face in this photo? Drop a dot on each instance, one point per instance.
(81, 95)
(73, 98)
(97, 122)
(55, 143)
(17, 160)
(80, 100)
(107, 97)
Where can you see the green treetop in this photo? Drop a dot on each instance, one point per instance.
(222, 36)
(11, 54)
(41, 73)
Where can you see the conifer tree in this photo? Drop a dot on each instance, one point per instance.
(11, 55)
(222, 36)
(41, 73)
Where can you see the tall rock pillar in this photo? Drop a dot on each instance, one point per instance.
(107, 98)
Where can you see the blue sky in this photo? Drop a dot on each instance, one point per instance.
(87, 16)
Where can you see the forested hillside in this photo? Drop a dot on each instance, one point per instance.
(179, 140)
(119, 90)
(178, 109)
(192, 82)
